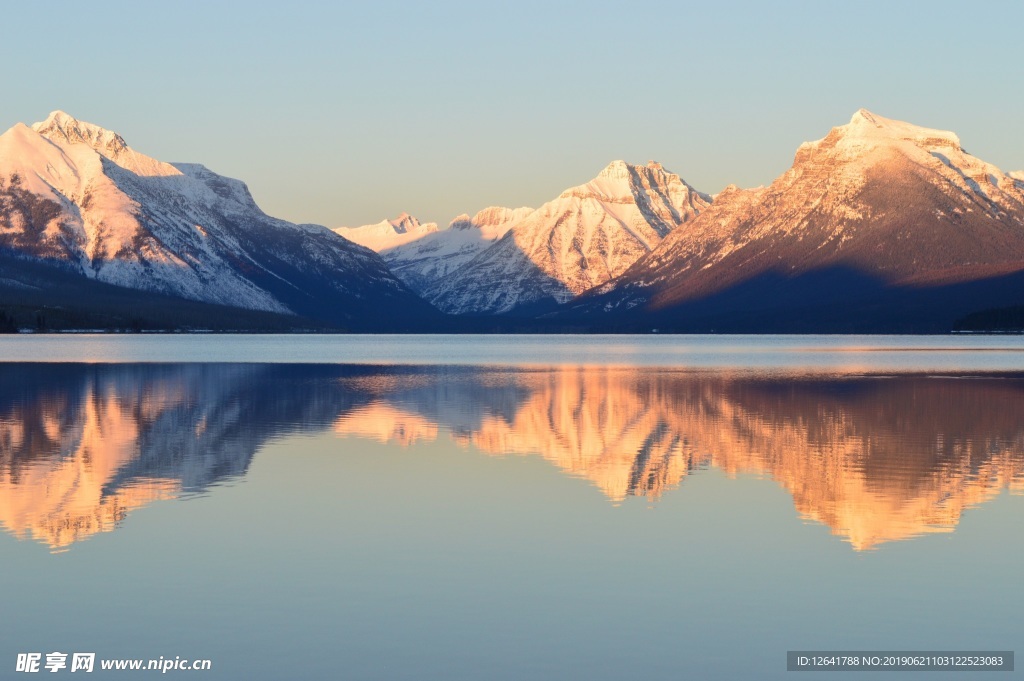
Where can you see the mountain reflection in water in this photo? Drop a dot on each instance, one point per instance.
(875, 458)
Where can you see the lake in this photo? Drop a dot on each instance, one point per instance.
(542, 507)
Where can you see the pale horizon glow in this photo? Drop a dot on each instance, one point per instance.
(347, 115)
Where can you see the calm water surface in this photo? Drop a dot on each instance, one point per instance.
(539, 507)
(768, 353)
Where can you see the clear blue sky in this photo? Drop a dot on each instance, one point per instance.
(347, 114)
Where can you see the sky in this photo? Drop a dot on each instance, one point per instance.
(348, 113)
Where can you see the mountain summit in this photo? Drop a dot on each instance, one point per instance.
(588, 235)
(880, 224)
(60, 126)
(387, 234)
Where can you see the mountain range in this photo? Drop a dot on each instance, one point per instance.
(879, 226)
(504, 261)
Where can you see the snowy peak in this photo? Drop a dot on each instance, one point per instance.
(866, 125)
(60, 126)
(68, 132)
(494, 220)
(616, 170)
(871, 145)
(622, 182)
(870, 136)
(68, 159)
(613, 183)
(621, 170)
(387, 233)
(404, 224)
(656, 201)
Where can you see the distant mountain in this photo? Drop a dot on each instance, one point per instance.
(76, 198)
(881, 225)
(388, 233)
(429, 256)
(587, 236)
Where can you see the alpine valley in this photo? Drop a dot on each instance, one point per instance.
(881, 226)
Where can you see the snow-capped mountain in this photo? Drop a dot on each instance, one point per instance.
(75, 195)
(587, 236)
(880, 225)
(425, 260)
(388, 234)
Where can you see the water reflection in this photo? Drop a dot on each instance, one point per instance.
(876, 459)
(83, 445)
